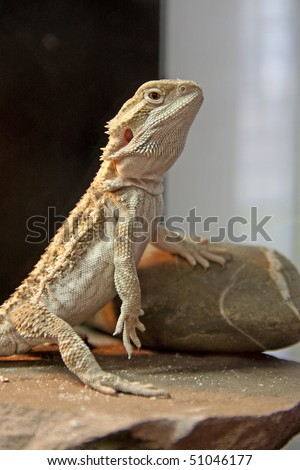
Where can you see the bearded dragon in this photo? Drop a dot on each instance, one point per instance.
(94, 254)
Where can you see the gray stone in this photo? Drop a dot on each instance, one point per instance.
(217, 402)
(251, 305)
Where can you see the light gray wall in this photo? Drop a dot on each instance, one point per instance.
(242, 148)
(241, 151)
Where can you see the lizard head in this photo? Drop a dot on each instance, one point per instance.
(149, 132)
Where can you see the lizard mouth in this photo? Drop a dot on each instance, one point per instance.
(183, 111)
(189, 104)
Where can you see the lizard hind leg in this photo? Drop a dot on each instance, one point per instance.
(10, 341)
(35, 324)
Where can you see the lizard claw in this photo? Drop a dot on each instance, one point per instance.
(201, 252)
(129, 324)
(111, 384)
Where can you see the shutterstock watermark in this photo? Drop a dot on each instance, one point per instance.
(234, 225)
(87, 228)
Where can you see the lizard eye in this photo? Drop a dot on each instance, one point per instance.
(154, 96)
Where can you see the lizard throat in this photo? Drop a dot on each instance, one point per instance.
(111, 180)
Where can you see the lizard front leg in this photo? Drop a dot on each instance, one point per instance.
(194, 251)
(33, 323)
(127, 283)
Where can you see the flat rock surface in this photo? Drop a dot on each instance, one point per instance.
(217, 402)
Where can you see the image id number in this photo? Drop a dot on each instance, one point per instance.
(222, 460)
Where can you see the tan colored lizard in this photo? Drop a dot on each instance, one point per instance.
(94, 254)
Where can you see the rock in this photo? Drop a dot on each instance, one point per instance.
(251, 305)
(217, 402)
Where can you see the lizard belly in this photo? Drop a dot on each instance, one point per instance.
(80, 292)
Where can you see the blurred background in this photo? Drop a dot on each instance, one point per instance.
(67, 66)
(244, 149)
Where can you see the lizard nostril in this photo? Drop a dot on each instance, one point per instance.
(182, 89)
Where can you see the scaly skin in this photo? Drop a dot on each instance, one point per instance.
(94, 254)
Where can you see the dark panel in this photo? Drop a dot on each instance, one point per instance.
(65, 69)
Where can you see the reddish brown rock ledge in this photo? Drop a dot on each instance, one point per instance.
(218, 402)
